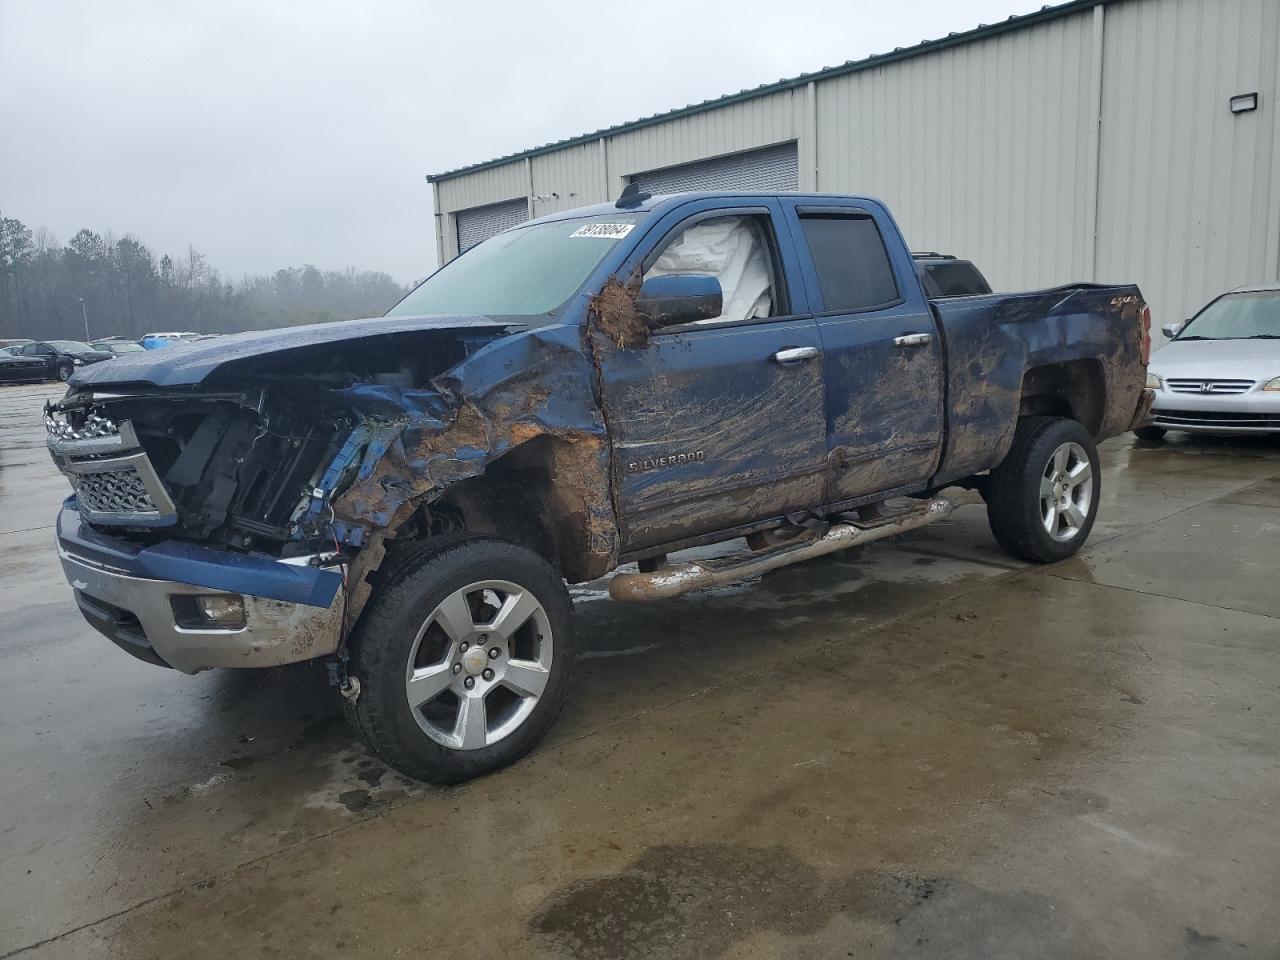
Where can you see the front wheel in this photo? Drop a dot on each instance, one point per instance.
(463, 659)
(1043, 498)
(64, 371)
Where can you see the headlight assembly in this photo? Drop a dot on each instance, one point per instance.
(1154, 382)
(1273, 386)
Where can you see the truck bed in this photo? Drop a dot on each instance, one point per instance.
(1090, 332)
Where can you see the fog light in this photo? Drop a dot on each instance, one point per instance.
(221, 609)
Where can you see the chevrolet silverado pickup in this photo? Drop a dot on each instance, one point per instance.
(594, 391)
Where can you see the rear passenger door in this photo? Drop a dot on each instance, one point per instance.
(882, 352)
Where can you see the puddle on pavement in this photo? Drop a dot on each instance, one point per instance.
(677, 902)
(360, 783)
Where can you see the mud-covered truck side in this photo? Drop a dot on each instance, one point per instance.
(405, 497)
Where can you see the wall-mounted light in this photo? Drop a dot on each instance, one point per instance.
(1244, 102)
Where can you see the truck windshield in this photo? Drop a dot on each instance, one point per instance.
(521, 273)
(1237, 316)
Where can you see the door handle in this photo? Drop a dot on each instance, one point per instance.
(912, 339)
(795, 354)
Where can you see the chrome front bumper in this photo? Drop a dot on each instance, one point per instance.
(138, 615)
(138, 596)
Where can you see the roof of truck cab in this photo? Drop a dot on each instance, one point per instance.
(660, 203)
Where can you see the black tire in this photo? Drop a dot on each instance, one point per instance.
(386, 636)
(64, 371)
(1014, 507)
(1150, 434)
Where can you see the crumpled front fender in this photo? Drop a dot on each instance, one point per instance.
(538, 384)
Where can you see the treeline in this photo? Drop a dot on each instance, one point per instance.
(47, 290)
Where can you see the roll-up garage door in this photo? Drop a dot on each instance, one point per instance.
(773, 168)
(481, 223)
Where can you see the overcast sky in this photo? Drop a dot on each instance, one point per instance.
(270, 134)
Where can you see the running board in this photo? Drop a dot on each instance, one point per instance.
(671, 581)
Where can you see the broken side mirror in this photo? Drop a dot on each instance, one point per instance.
(1171, 330)
(679, 298)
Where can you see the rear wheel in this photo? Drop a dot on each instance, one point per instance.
(1151, 434)
(1043, 498)
(463, 657)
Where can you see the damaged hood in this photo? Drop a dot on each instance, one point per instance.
(187, 364)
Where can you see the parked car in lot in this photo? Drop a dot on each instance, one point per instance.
(118, 346)
(944, 275)
(16, 368)
(156, 341)
(62, 358)
(1220, 372)
(405, 497)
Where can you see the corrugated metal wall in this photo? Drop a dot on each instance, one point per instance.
(775, 118)
(494, 185)
(994, 149)
(978, 150)
(573, 177)
(1187, 204)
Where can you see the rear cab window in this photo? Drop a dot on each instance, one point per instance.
(851, 261)
(952, 278)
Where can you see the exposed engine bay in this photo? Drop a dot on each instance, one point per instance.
(253, 457)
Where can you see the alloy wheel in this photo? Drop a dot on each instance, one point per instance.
(479, 664)
(1066, 492)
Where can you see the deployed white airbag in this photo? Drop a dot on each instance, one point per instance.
(730, 249)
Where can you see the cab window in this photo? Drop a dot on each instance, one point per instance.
(849, 255)
(740, 252)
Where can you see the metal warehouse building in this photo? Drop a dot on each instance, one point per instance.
(1102, 140)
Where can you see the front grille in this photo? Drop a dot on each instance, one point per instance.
(111, 474)
(114, 491)
(93, 427)
(1216, 418)
(1215, 386)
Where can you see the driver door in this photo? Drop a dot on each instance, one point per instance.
(718, 424)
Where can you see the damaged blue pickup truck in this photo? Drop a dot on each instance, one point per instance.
(405, 497)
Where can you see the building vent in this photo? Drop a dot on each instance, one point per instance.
(481, 223)
(770, 169)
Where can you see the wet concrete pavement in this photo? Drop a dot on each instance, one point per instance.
(918, 749)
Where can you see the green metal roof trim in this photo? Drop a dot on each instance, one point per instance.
(982, 31)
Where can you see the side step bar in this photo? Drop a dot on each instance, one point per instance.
(671, 581)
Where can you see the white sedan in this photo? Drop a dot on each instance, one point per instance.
(1221, 371)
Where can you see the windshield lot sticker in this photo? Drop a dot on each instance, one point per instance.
(604, 231)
